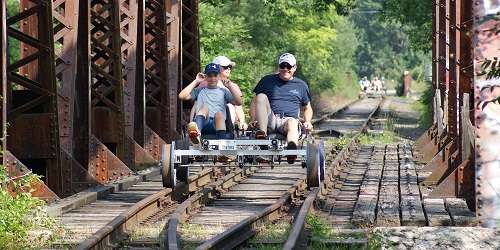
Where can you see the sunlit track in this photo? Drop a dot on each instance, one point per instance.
(90, 224)
(230, 218)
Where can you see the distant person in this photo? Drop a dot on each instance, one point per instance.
(364, 83)
(278, 102)
(210, 106)
(377, 84)
(407, 83)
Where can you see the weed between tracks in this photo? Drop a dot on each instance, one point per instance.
(324, 236)
(271, 236)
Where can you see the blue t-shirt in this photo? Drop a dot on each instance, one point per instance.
(285, 97)
(214, 98)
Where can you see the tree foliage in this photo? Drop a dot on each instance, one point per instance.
(254, 33)
(416, 16)
(385, 46)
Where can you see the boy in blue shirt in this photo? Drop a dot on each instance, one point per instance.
(210, 106)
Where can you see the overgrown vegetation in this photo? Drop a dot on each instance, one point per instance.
(320, 230)
(21, 213)
(253, 33)
(336, 144)
(385, 45)
(386, 136)
(270, 236)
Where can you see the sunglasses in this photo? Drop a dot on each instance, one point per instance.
(285, 66)
(212, 75)
(227, 67)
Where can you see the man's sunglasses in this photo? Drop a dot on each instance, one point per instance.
(285, 66)
(227, 67)
(212, 75)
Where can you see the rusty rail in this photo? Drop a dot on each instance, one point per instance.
(300, 221)
(198, 200)
(129, 219)
(242, 231)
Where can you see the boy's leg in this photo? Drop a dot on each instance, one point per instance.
(220, 125)
(197, 125)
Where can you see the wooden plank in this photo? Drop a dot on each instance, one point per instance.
(436, 213)
(364, 214)
(459, 212)
(388, 204)
(412, 213)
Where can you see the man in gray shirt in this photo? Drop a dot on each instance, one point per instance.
(210, 107)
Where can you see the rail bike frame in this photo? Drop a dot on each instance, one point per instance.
(179, 156)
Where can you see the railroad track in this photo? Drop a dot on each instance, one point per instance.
(100, 220)
(376, 187)
(106, 219)
(228, 217)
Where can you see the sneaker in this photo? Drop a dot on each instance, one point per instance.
(260, 134)
(262, 159)
(194, 133)
(291, 158)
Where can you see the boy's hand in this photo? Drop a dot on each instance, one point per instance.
(200, 77)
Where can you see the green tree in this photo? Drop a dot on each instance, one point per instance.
(254, 33)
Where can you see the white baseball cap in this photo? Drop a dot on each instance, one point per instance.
(223, 61)
(288, 58)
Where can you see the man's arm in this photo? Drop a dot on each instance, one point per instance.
(308, 115)
(185, 94)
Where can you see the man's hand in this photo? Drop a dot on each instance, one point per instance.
(308, 126)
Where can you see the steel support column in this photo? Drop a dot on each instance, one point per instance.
(32, 97)
(104, 73)
(190, 48)
(161, 90)
(426, 146)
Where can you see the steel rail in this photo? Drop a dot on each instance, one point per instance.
(185, 208)
(242, 231)
(300, 221)
(130, 218)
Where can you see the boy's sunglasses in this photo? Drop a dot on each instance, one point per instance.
(227, 67)
(285, 66)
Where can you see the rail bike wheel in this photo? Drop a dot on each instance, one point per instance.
(322, 164)
(182, 172)
(313, 165)
(167, 166)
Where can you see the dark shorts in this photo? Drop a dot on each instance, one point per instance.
(209, 127)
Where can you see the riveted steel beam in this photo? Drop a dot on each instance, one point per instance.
(32, 96)
(190, 48)
(162, 20)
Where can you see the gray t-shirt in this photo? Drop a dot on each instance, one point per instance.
(215, 99)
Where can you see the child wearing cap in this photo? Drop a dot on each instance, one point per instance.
(210, 106)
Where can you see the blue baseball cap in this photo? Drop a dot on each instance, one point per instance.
(212, 68)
